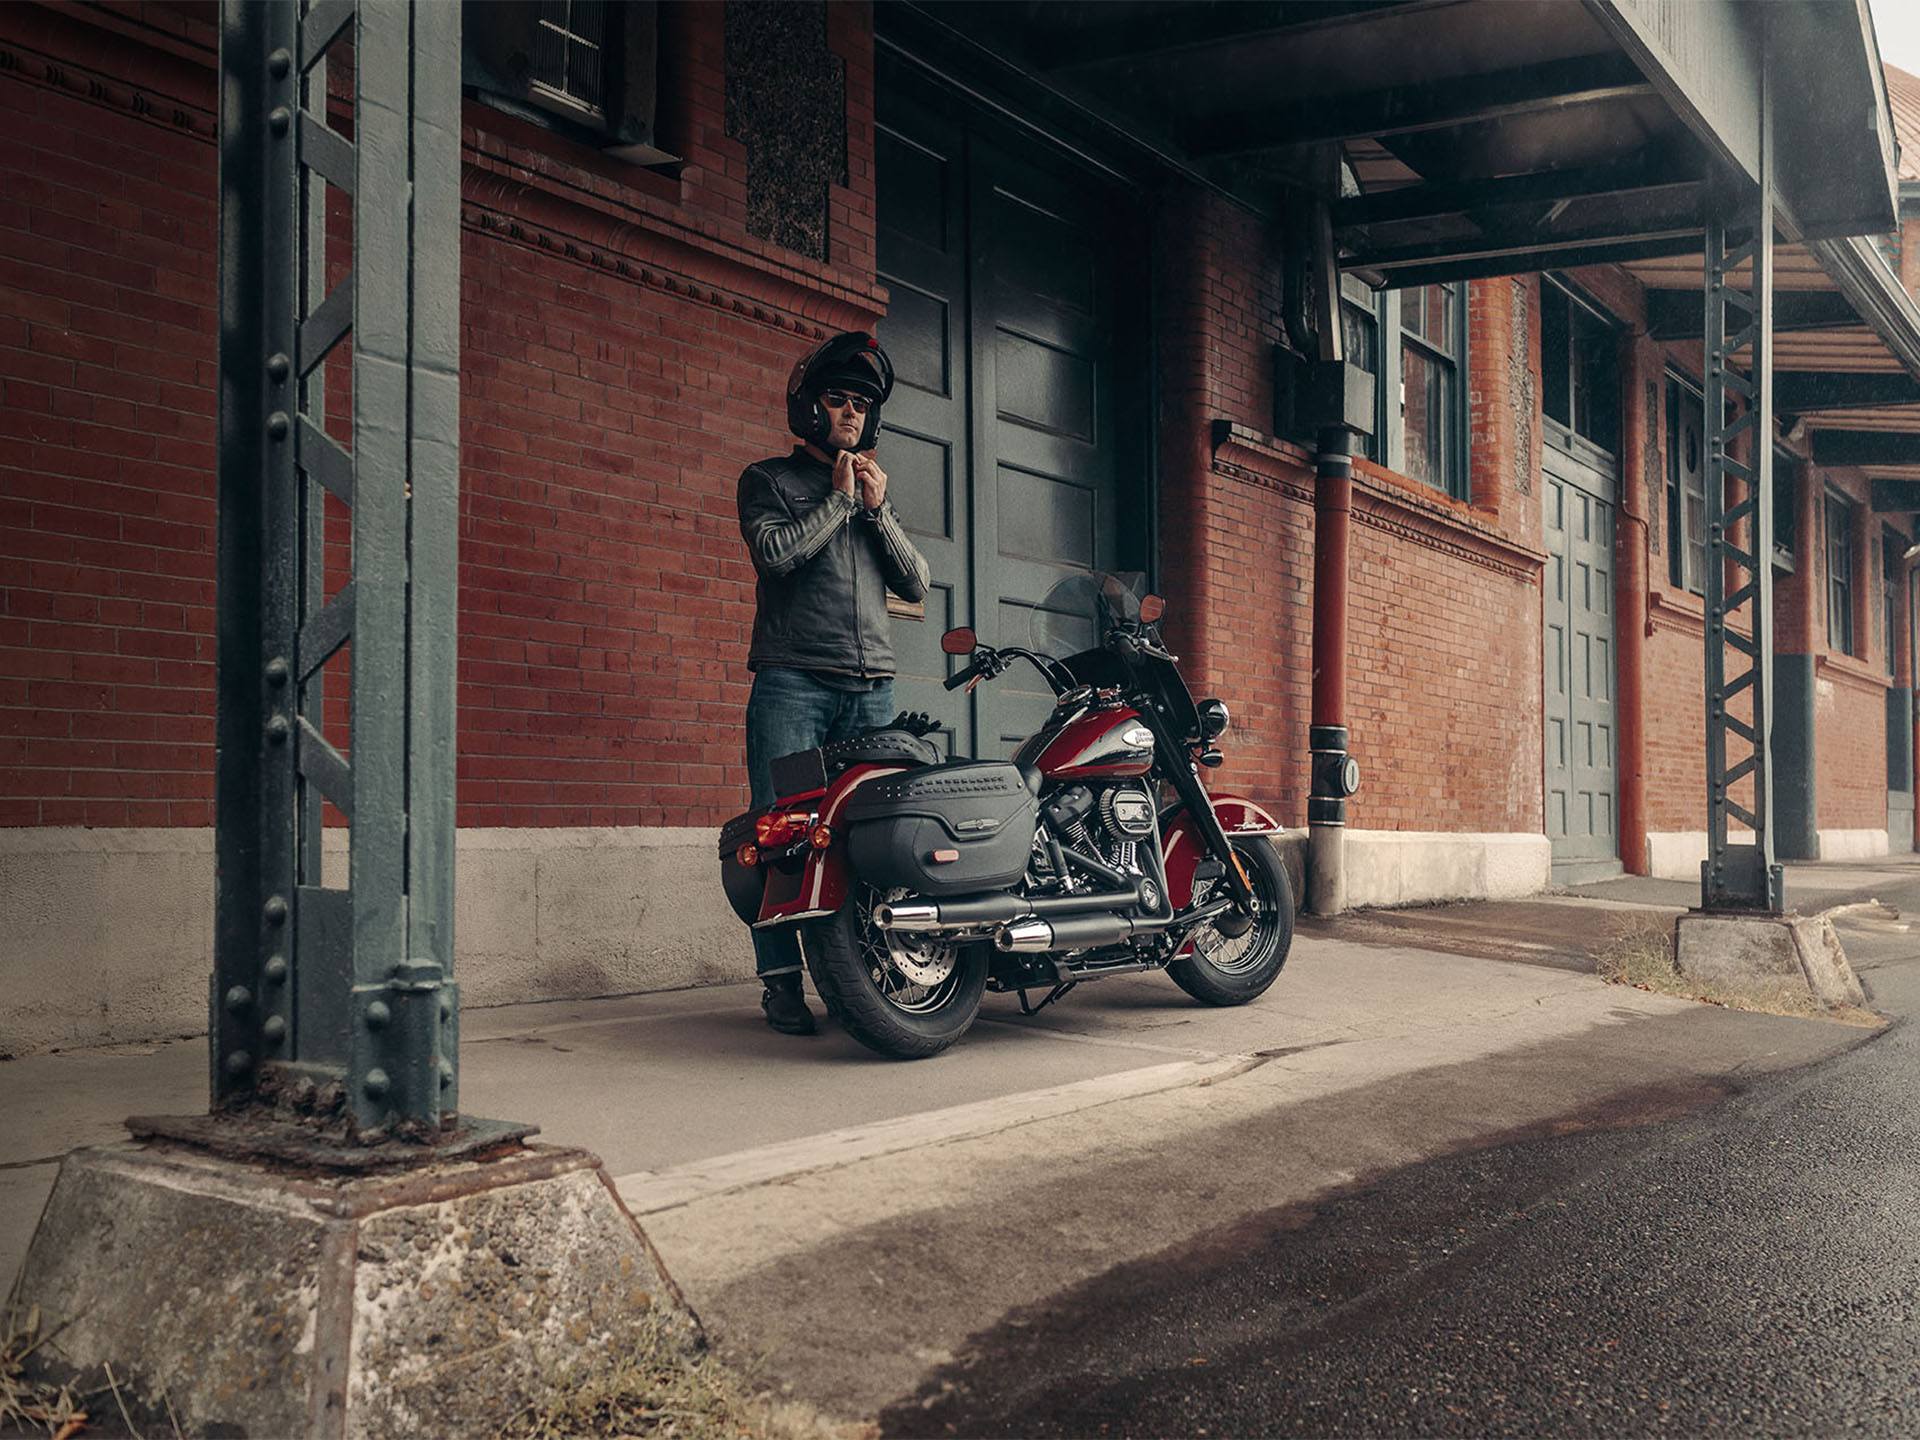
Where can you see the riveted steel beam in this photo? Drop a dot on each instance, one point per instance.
(338, 994)
(1739, 571)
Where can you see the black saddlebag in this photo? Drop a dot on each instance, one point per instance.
(742, 884)
(947, 830)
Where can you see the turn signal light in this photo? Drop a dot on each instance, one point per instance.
(747, 856)
(774, 831)
(821, 837)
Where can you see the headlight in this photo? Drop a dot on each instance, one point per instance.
(1213, 718)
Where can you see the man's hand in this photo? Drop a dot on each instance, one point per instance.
(873, 480)
(845, 467)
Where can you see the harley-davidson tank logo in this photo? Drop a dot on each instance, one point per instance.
(1138, 736)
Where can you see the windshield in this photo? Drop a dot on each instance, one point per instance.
(1082, 607)
(1071, 625)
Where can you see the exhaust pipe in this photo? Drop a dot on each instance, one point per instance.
(907, 916)
(1075, 932)
(965, 912)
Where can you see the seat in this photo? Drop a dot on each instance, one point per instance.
(880, 747)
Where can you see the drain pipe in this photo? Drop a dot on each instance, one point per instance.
(1335, 773)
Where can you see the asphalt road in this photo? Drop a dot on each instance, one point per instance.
(1751, 1268)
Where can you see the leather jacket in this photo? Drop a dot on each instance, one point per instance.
(824, 567)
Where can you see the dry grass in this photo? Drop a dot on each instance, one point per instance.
(658, 1389)
(1639, 953)
(26, 1404)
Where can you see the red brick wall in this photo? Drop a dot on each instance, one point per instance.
(1443, 629)
(107, 326)
(626, 342)
(1850, 720)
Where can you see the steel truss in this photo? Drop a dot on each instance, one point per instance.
(338, 998)
(1739, 553)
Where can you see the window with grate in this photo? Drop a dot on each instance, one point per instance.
(588, 69)
(1686, 486)
(1839, 574)
(566, 65)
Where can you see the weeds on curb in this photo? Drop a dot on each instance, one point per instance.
(30, 1404)
(1640, 954)
(657, 1389)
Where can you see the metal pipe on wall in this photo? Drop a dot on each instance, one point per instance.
(1326, 804)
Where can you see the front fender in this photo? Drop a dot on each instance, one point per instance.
(821, 884)
(1182, 847)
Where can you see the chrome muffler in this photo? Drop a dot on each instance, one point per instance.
(908, 915)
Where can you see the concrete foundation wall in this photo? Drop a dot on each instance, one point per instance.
(1407, 867)
(1853, 844)
(1678, 854)
(107, 935)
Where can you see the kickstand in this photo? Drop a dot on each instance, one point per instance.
(1052, 995)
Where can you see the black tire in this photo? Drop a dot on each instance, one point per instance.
(891, 1015)
(1257, 963)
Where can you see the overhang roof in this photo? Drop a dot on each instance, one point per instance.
(1489, 137)
(1480, 136)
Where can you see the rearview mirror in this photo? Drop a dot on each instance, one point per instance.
(959, 641)
(1152, 608)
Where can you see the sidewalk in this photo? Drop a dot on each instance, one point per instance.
(850, 1221)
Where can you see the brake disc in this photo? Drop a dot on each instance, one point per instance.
(919, 955)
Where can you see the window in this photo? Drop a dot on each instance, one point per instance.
(569, 38)
(1893, 549)
(1414, 342)
(585, 68)
(1360, 334)
(1839, 574)
(1786, 510)
(1579, 370)
(1686, 487)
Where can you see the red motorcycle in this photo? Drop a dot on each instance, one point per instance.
(919, 884)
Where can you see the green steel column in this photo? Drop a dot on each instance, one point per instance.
(1739, 667)
(339, 998)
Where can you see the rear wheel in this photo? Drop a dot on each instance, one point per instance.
(906, 996)
(1222, 970)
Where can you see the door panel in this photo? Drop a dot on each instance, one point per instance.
(1581, 765)
(923, 443)
(1001, 442)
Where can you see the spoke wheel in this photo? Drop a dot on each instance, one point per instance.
(1231, 970)
(906, 996)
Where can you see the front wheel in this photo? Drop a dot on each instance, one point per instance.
(1217, 970)
(906, 996)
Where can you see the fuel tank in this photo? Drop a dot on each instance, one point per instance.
(1092, 745)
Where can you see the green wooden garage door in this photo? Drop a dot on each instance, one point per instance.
(1004, 440)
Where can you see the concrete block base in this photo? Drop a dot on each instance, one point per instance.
(1758, 952)
(441, 1300)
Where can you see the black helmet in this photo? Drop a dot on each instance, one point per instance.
(852, 361)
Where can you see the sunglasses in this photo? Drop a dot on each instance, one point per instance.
(840, 400)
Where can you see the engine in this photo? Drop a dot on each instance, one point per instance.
(1108, 823)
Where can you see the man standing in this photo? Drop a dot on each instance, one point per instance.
(827, 546)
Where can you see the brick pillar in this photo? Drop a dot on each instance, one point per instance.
(1639, 361)
(1796, 612)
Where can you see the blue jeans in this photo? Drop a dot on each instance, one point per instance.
(789, 710)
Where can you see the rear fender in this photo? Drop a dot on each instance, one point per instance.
(821, 884)
(1183, 847)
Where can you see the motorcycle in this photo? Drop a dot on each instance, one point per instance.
(918, 883)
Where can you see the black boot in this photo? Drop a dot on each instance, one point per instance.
(785, 1006)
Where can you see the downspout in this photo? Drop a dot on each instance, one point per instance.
(1631, 563)
(1334, 772)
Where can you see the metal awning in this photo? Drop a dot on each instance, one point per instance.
(1488, 137)
(1477, 136)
